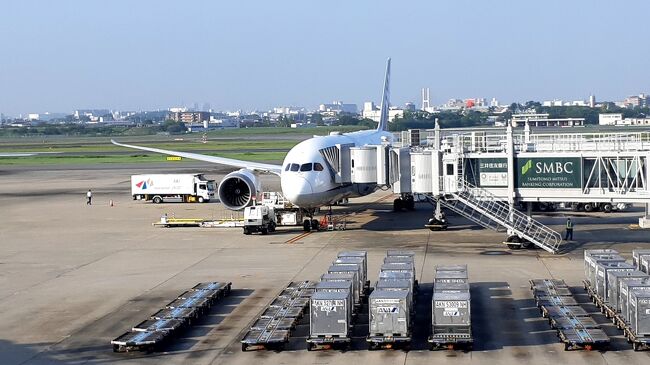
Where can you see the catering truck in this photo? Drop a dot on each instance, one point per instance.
(160, 187)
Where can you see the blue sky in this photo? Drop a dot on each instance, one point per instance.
(150, 54)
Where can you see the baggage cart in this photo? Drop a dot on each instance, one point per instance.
(540, 284)
(223, 288)
(139, 341)
(591, 262)
(563, 311)
(573, 322)
(186, 315)
(626, 286)
(153, 325)
(390, 322)
(265, 339)
(329, 320)
(586, 339)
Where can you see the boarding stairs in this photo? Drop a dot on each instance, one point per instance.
(489, 211)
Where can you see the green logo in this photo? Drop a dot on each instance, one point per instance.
(526, 167)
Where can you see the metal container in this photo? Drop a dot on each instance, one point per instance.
(354, 260)
(645, 263)
(348, 269)
(613, 287)
(627, 286)
(602, 270)
(592, 261)
(401, 253)
(451, 288)
(636, 260)
(600, 251)
(399, 268)
(450, 277)
(361, 254)
(454, 267)
(336, 286)
(399, 260)
(639, 307)
(390, 313)
(345, 277)
(330, 314)
(396, 285)
(389, 275)
(450, 310)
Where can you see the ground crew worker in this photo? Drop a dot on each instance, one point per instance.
(569, 230)
(89, 197)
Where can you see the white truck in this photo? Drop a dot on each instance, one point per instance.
(272, 211)
(159, 187)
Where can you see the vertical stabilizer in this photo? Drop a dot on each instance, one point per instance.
(385, 101)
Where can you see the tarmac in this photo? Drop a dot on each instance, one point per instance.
(73, 277)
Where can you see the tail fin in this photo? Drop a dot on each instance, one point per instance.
(385, 101)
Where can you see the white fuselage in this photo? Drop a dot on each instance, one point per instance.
(305, 178)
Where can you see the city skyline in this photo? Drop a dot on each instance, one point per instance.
(256, 55)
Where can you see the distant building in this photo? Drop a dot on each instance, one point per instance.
(409, 107)
(641, 100)
(189, 117)
(92, 114)
(337, 107)
(370, 111)
(617, 119)
(542, 120)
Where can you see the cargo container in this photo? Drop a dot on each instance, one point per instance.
(613, 287)
(158, 187)
(451, 288)
(337, 286)
(399, 268)
(345, 277)
(352, 261)
(389, 316)
(453, 267)
(361, 254)
(451, 320)
(399, 260)
(602, 270)
(329, 320)
(626, 287)
(394, 285)
(401, 253)
(636, 259)
(645, 263)
(347, 269)
(450, 277)
(592, 261)
(639, 307)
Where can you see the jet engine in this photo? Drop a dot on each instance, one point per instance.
(238, 188)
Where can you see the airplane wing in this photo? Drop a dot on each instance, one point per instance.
(255, 166)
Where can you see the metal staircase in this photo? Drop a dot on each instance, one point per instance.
(487, 210)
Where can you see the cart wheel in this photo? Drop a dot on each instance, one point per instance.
(244, 347)
(636, 346)
(566, 347)
(310, 347)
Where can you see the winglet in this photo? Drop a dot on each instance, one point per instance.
(385, 101)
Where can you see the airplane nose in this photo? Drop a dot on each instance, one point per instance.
(295, 188)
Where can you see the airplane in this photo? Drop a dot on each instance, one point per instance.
(306, 177)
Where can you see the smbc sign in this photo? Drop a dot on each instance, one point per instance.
(549, 173)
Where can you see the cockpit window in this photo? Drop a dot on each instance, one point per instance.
(318, 167)
(295, 167)
(305, 167)
(287, 167)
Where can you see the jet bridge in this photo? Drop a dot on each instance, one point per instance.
(482, 175)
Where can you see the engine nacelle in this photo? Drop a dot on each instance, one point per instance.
(237, 189)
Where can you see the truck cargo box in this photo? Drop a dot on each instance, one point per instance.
(330, 314)
(390, 313)
(639, 307)
(613, 287)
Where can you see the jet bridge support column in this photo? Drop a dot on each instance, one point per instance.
(510, 156)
